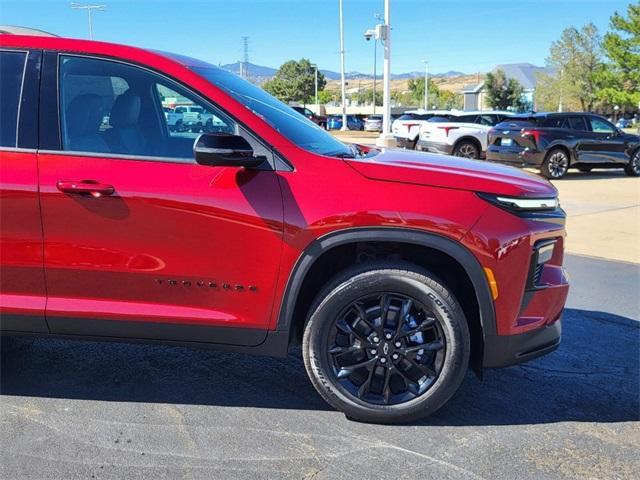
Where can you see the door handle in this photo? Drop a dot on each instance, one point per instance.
(85, 187)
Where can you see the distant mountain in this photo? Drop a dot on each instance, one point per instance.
(258, 72)
(261, 73)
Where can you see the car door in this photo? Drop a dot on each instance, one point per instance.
(608, 145)
(580, 134)
(139, 240)
(22, 285)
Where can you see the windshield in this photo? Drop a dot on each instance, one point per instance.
(297, 128)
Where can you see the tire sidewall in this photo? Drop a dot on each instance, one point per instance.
(424, 289)
(545, 166)
(472, 144)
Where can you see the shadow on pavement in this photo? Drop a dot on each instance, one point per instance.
(594, 174)
(593, 377)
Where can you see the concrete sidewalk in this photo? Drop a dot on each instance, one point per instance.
(603, 209)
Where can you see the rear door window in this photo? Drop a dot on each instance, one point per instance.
(12, 65)
(576, 123)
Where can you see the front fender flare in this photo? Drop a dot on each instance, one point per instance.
(389, 234)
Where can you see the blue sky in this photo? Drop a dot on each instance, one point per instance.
(464, 35)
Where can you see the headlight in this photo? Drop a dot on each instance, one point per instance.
(522, 204)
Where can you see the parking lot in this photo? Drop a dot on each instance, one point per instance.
(109, 410)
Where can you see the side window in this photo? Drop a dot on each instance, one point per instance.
(489, 120)
(576, 123)
(554, 122)
(111, 107)
(11, 71)
(600, 126)
(467, 119)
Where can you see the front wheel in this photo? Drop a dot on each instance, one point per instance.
(633, 169)
(555, 164)
(386, 343)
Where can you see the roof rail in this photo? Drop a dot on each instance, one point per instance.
(14, 30)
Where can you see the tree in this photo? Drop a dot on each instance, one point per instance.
(503, 93)
(620, 79)
(576, 59)
(295, 82)
(438, 98)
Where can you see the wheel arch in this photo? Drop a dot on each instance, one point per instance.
(469, 138)
(289, 322)
(571, 153)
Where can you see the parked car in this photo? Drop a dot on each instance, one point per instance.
(624, 123)
(556, 142)
(373, 123)
(319, 120)
(406, 128)
(394, 270)
(174, 120)
(191, 117)
(463, 134)
(334, 122)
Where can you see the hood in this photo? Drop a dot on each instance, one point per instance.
(452, 172)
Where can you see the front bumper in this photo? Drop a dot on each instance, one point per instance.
(435, 147)
(502, 351)
(404, 142)
(516, 157)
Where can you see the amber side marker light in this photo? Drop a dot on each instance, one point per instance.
(493, 285)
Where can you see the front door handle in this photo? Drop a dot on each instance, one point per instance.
(85, 187)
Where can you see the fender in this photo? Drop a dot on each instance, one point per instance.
(389, 234)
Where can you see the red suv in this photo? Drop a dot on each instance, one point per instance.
(394, 270)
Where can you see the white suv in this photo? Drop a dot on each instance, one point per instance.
(406, 128)
(463, 134)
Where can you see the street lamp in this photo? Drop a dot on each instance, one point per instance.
(368, 35)
(343, 85)
(426, 84)
(313, 65)
(384, 33)
(89, 9)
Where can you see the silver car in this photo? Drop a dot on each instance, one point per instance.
(373, 123)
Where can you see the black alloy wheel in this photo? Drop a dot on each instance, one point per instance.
(386, 342)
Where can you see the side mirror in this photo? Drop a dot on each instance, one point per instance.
(224, 150)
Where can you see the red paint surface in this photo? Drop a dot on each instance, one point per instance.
(104, 257)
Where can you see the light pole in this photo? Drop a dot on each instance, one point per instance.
(89, 9)
(426, 84)
(372, 33)
(343, 85)
(386, 139)
(316, 88)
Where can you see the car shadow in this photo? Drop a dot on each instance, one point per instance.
(594, 174)
(593, 377)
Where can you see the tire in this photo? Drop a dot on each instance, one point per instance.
(555, 164)
(633, 168)
(337, 336)
(466, 149)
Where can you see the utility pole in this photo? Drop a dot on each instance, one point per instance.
(375, 56)
(426, 84)
(89, 9)
(386, 139)
(244, 64)
(342, 81)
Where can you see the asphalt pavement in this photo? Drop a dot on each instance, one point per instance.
(76, 409)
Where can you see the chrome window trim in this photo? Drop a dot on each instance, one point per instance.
(120, 156)
(18, 150)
